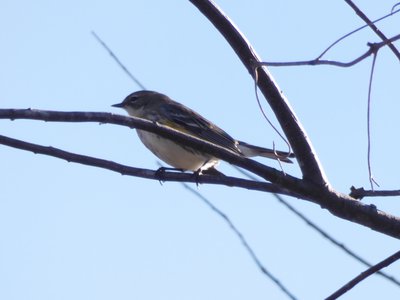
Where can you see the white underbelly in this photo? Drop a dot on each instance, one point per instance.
(174, 154)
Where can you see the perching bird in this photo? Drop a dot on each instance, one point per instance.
(159, 108)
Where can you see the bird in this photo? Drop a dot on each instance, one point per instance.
(161, 109)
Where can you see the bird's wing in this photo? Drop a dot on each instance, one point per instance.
(190, 122)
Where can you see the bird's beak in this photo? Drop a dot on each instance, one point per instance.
(118, 105)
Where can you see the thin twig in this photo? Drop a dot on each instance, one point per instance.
(356, 30)
(268, 120)
(373, 48)
(243, 241)
(393, 8)
(371, 178)
(117, 60)
(373, 27)
(348, 286)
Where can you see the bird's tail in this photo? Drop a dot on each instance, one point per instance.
(251, 150)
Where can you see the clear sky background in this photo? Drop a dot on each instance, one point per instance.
(69, 231)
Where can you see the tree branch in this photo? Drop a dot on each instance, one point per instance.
(143, 173)
(348, 286)
(296, 135)
(359, 193)
(323, 233)
(338, 204)
(373, 48)
(268, 173)
(373, 27)
(245, 244)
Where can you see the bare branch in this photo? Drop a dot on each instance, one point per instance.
(359, 193)
(268, 173)
(348, 286)
(394, 7)
(323, 232)
(338, 204)
(243, 240)
(139, 172)
(373, 48)
(373, 27)
(356, 30)
(334, 241)
(296, 135)
(371, 177)
(120, 64)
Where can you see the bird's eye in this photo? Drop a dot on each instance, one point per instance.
(134, 98)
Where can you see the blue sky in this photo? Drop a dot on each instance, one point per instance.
(74, 232)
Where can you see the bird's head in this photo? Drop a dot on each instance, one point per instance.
(141, 101)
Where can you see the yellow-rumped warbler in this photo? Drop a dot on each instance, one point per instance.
(160, 108)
